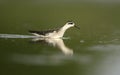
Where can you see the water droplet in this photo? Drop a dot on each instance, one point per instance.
(82, 41)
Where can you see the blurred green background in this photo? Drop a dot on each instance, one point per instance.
(96, 45)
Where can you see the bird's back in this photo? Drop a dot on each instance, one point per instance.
(43, 32)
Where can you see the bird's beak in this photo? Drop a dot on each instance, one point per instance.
(77, 27)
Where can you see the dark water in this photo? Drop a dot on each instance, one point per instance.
(92, 50)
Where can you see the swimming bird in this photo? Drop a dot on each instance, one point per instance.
(55, 33)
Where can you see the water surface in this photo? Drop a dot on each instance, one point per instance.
(92, 50)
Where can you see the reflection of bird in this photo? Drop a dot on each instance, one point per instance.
(56, 33)
(56, 43)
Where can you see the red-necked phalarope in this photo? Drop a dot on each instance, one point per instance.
(56, 33)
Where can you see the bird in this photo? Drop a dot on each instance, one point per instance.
(54, 33)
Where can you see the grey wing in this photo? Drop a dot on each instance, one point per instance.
(41, 32)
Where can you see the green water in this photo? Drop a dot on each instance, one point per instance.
(92, 50)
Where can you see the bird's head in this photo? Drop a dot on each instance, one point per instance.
(71, 24)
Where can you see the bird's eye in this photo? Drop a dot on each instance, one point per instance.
(70, 23)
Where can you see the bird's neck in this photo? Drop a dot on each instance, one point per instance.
(62, 30)
(65, 27)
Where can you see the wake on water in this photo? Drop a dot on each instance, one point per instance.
(16, 36)
(23, 36)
